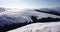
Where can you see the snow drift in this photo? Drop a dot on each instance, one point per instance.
(39, 27)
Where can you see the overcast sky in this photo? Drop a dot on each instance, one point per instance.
(22, 4)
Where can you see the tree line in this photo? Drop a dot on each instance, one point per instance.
(8, 27)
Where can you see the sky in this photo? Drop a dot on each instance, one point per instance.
(23, 4)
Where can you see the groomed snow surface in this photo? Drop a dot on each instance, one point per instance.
(39, 27)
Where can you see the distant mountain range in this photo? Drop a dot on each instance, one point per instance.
(55, 11)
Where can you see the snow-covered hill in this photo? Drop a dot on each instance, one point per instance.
(20, 16)
(55, 11)
(46, 9)
(39, 27)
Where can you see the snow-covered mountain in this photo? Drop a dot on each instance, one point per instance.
(46, 9)
(39, 27)
(55, 11)
(20, 16)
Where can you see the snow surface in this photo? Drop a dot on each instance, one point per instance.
(20, 16)
(39, 27)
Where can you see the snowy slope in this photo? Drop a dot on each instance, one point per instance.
(39, 27)
(20, 16)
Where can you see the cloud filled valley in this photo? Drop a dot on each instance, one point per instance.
(10, 16)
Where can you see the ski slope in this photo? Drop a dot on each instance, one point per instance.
(39, 27)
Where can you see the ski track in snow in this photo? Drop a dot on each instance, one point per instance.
(39, 27)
